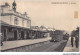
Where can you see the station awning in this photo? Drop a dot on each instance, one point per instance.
(13, 26)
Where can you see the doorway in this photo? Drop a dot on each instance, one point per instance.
(5, 36)
(22, 35)
(15, 34)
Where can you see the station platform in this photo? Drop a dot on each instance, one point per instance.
(18, 43)
(69, 48)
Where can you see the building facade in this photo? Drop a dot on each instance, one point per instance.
(16, 26)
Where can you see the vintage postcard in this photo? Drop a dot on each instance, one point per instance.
(39, 25)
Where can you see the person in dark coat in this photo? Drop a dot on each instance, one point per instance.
(1, 39)
(77, 41)
(72, 39)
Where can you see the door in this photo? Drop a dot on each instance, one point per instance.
(22, 35)
(27, 34)
(15, 35)
(4, 33)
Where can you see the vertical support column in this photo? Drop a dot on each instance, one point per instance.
(17, 35)
(31, 35)
(2, 35)
(2, 31)
(39, 34)
(25, 35)
(6, 34)
(42, 35)
(36, 35)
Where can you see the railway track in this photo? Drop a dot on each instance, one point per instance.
(49, 47)
(41, 48)
(60, 48)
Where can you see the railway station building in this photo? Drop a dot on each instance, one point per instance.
(16, 26)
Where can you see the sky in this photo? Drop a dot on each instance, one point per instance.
(45, 12)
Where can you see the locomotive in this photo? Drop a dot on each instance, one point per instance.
(58, 35)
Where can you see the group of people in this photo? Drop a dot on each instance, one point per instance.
(76, 41)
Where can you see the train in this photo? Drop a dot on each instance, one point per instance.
(58, 35)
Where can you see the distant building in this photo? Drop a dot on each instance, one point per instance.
(41, 32)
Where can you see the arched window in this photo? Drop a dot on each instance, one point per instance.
(16, 21)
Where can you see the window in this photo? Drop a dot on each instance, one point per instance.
(22, 22)
(28, 23)
(16, 21)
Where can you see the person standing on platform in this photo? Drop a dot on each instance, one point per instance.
(1, 39)
(72, 39)
(77, 41)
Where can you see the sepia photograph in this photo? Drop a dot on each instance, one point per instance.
(39, 25)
